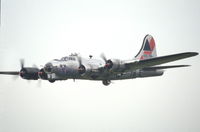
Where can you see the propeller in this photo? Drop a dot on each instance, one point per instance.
(22, 71)
(28, 73)
(103, 57)
(79, 60)
(81, 68)
(108, 62)
(22, 63)
(39, 83)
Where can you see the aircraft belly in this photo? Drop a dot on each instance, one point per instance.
(66, 73)
(149, 73)
(125, 75)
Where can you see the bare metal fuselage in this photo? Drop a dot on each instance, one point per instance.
(67, 69)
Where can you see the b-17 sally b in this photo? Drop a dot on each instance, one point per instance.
(145, 64)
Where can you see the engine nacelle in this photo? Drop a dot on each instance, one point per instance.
(84, 69)
(42, 74)
(29, 73)
(81, 69)
(115, 65)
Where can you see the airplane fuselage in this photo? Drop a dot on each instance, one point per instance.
(67, 68)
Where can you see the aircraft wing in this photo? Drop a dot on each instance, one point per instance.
(163, 67)
(10, 73)
(157, 61)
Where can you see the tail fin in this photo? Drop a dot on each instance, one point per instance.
(148, 49)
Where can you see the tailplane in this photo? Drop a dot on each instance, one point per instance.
(148, 49)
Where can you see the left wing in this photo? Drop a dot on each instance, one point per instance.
(10, 73)
(157, 60)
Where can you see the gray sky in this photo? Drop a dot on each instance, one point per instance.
(41, 30)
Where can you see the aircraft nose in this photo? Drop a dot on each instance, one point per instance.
(48, 67)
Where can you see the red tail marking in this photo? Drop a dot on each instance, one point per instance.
(152, 44)
(147, 52)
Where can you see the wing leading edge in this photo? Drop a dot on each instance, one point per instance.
(158, 61)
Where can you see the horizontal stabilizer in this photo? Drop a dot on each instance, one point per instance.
(164, 67)
(158, 60)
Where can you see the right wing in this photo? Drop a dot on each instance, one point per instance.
(157, 61)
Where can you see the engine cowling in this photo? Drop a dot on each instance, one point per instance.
(81, 69)
(29, 73)
(84, 70)
(114, 65)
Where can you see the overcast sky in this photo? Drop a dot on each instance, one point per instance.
(42, 30)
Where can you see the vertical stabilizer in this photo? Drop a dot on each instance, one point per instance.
(148, 49)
